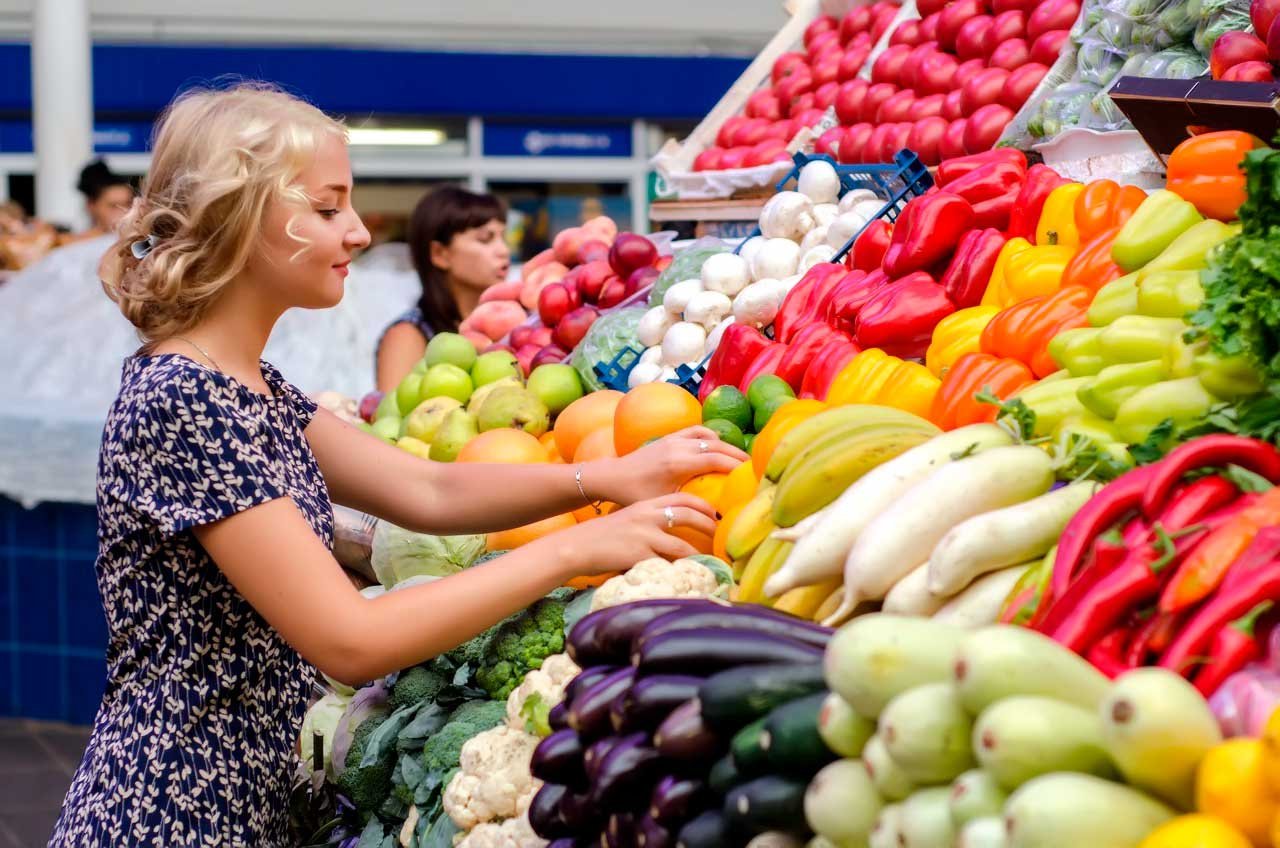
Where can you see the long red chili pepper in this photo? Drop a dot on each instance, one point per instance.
(1108, 551)
(1153, 638)
(1209, 451)
(1235, 646)
(1107, 654)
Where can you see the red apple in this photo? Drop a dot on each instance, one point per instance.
(983, 90)
(1263, 13)
(1051, 15)
(525, 355)
(641, 278)
(1249, 72)
(631, 252)
(926, 136)
(827, 68)
(770, 150)
(857, 20)
(876, 94)
(369, 405)
(549, 355)
(749, 132)
(613, 293)
(1234, 48)
(1046, 49)
(497, 346)
(853, 146)
(985, 126)
(592, 278)
(851, 63)
(952, 144)
(936, 73)
(827, 142)
(1020, 84)
(888, 67)
(764, 104)
(915, 60)
(521, 336)
(556, 301)
(787, 64)
(708, 160)
(810, 116)
(953, 17)
(849, 101)
(929, 27)
(883, 20)
(930, 7)
(1010, 55)
(972, 37)
(907, 32)
(593, 250)
(966, 71)
(541, 336)
(724, 138)
(929, 106)
(897, 108)
(820, 25)
(825, 95)
(952, 108)
(569, 332)
(1006, 25)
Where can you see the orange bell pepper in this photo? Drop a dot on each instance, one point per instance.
(1093, 266)
(1105, 204)
(1205, 170)
(1024, 330)
(954, 405)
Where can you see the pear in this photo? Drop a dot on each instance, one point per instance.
(482, 393)
(514, 407)
(425, 420)
(455, 431)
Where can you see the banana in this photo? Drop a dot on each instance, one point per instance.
(830, 604)
(822, 478)
(807, 431)
(767, 559)
(753, 526)
(805, 601)
(852, 431)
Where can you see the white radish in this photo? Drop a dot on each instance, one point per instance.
(725, 273)
(777, 258)
(654, 325)
(852, 198)
(708, 308)
(788, 215)
(911, 595)
(979, 605)
(910, 528)
(819, 181)
(679, 295)
(684, 342)
(797, 531)
(1004, 537)
(644, 373)
(821, 554)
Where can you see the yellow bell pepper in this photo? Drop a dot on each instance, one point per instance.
(994, 295)
(865, 372)
(875, 377)
(1033, 272)
(1058, 218)
(1271, 751)
(957, 334)
(1231, 785)
(1195, 831)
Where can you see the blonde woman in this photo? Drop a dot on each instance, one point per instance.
(215, 480)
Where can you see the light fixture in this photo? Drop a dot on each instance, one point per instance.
(395, 137)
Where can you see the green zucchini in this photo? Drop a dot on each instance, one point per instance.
(747, 749)
(724, 775)
(766, 803)
(738, 696)
(791, 740)
(708, 830)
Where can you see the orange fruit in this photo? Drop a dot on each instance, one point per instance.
(583, 417)
(650, 412)
(597, 445)
(505, 444)
(506, 540)
(548, 441)
(589, 581)
(739, 487)
(704, 543)
(709, 487)
(787, 417)
(722, 532)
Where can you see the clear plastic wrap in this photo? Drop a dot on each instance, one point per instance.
(609, 335)
(1214, 17)
(1246, 700)
(686, 265)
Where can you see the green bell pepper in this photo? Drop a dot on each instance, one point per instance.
(1161, 218)
(1116, 298)
(1228, 377)
(1169, 294)
(1115, 384)
(1077, 351)
(1053, 402)
(1098, 430)
(1182, 400)
(1190, 251)
(1179, 359)
(1138, 338)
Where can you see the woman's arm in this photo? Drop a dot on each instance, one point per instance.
(400, 349)
(271, 556)
(443, 498)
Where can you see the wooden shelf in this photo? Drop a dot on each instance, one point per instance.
(745, 209)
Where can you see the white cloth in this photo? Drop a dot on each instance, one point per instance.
(62, 343)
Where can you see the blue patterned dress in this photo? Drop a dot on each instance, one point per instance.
(194, 742)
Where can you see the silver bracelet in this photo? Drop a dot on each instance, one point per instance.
(577, 478)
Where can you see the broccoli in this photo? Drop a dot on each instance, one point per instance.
(416, 686)
(520, 644)
(367, 788)
(443, 749)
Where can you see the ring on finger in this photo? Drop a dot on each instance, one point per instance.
(669, 514)
(703, 446)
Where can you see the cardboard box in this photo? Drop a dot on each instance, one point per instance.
(1167, 112)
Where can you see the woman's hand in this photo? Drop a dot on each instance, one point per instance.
(661, 467)
(617, 541)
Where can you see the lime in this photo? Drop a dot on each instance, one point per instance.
(765, 411)
(748, 442)
(728, 404)
(767, 386)
(728, 432)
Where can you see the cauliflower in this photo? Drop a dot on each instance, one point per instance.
(512, 833)
(493, 781)
(541, 689)
(656, 578)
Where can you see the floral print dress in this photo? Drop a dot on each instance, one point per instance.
(194, 742)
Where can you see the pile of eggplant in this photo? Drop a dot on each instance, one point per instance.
(694, 723)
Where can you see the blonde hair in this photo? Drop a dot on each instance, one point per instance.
(220, 158)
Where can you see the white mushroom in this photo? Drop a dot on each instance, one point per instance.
(683, 342)
(726, 273)
(708, 308)
(758, 303)
(677, 297)
(644, 372)
(654, 325)
(777, 258)
(819, 181)
(788, 214)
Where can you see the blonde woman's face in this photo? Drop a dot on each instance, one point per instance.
(312, 274)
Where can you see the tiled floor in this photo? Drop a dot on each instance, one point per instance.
(37, 760)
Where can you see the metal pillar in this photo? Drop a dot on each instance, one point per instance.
(62, 106)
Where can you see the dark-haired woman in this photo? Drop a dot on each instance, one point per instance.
(457, 239)
(107, 198)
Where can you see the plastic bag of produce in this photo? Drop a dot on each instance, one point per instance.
(1174, 63)
(1214, 17)
(1246, 700)
(399, 554)
(686, 264)
(1067, 107)
(611, 333)
(1097, 62)
(1027, 127)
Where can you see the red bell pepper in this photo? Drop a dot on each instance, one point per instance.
(1253, 578)
(900, 317)
(850, 296)
(1213, 451)
(1235, 646)
(988, 183)
(1041, 181)
(824, 367)
(868, 251)
(1108, 654)
(766, 362)
(953, 169)
(954, 404)
(739, 347)
(927, 232)
(804, 346)
(797, 306)
(996, 212)
(966, 278)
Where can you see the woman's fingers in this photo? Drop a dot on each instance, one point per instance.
(686, 500)
(673, 548)
(694, 519)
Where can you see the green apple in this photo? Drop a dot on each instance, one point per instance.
(450, 348)
(494, 366)
(387, 429)
(556, 386)
(419, 367)
(417, 447)
(409, 393)
(388, 407)
(445, 380)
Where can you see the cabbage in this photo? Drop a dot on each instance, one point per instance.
(686, 265)
(322, 719)
(367, 703)
(399, 554)
(1098, 64)
(612, 333)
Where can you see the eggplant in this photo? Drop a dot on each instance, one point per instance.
(650, 700)
(596, 753)
(604, 637)
(650, 834)
(683, 735)
(626, 773)
(564, 843)
(677, 799)
(580, 813)
(544, 812)
(758, 619)
(588, 678)
(620, 832)
(558, 716)
(558, 759)
(709, 830)
(589, 712)
(707, 650)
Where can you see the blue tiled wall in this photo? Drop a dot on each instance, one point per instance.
(52, 633)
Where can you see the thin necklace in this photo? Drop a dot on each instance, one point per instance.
(203, 352)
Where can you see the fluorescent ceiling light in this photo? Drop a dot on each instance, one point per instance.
(395, 137)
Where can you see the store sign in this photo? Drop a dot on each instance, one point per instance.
(552, 140)
(118, 137)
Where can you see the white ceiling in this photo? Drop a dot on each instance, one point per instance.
(687, 27)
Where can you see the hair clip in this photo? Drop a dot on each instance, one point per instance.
(141, 248)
